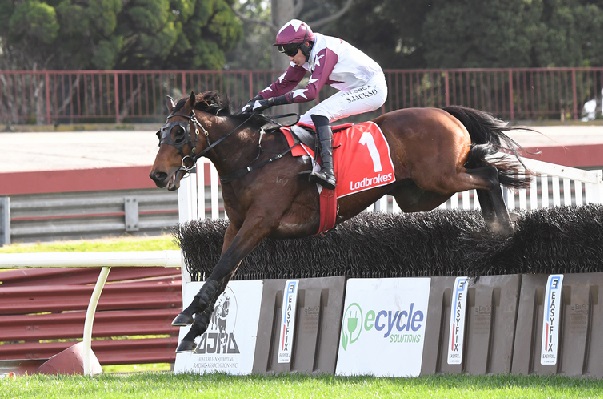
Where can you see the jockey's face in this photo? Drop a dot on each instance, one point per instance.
(298, 59)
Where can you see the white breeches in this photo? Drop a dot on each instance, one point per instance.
(352, 102)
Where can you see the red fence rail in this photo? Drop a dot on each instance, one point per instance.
(42, 312)
(47, 97)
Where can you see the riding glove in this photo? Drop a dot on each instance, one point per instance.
(248, 108)
(257, 105)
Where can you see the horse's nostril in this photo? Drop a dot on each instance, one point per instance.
(158, 176)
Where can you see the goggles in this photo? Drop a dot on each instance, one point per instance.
(289, 49)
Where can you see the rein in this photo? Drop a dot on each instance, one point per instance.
(165, 138)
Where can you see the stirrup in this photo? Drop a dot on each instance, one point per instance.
(323, 179)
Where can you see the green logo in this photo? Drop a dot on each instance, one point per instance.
(351, 325)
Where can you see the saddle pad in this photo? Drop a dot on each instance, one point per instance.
(361, 159)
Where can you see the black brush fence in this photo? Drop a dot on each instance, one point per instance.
(436, 243)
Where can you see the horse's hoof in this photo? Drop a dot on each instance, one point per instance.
(185, 346)
(182, 320)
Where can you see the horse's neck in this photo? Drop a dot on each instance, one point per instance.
(236, 151)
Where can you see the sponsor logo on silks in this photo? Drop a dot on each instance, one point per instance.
(397, 326)
(371, 181)
(219, 338)
(458, 311)
(285, 345)
(550, 320)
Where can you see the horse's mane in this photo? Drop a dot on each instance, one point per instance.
(213, 103)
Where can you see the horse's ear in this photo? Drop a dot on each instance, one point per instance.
(192, 99)
(170, 103)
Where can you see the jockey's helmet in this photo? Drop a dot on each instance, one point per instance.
(294, 35)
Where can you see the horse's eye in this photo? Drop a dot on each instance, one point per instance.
(179, 136)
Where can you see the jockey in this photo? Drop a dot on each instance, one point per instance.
(332, 61)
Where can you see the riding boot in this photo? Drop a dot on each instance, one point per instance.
(325, 176)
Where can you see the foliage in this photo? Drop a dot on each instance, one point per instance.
(253, 50)
(476, 33)
(115, 34)
(217, 34)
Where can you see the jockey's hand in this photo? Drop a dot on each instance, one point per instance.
(258, 104)
(248, 108)
(261, 105)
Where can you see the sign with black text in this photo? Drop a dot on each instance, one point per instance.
(228, 345)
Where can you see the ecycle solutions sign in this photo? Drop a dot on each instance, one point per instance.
(383, 327)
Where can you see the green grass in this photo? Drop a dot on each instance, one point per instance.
(119, 244)
(153, 384)
(182, 386)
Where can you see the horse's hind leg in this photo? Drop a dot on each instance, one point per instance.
(487, 206)
(411, 198)
(494, 209)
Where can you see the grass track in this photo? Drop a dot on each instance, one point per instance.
(183, 386)
(114, 244)
(166, 385)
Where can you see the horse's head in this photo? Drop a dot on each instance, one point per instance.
(182, 140)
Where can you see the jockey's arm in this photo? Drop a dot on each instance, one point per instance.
(325, 62)
(286, 82)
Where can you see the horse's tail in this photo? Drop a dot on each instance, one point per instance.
(491, 146)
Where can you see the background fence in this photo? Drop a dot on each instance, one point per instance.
(53, 97)
(86, 215)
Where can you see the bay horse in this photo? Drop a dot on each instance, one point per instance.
(436, 153)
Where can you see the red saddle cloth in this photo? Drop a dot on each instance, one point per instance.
(361, 159)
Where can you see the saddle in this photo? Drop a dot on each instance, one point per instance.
(306, 134)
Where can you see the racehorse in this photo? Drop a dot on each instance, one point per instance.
(436, 152)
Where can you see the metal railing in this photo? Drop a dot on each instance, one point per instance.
(91, 96)
(86, 215)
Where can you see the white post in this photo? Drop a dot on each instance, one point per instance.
(215, 200)
(594, 191)
(87, 339)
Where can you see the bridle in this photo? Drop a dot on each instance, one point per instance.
(179, 142)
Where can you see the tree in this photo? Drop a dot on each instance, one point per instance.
(475, 33)
(315, 13)
(252, 51)
(117, 34)
(482, 33)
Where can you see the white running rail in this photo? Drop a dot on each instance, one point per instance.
(552, 185)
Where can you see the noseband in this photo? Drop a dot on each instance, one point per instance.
(165, 138)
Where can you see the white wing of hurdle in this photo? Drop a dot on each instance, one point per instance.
(103, 260)
(553, 185)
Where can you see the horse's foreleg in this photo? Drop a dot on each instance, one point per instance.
(247, 238)
(243, 242)
(186, 317)
(200, 322)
